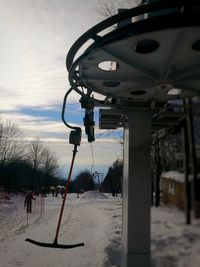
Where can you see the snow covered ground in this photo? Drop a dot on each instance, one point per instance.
(94, 219)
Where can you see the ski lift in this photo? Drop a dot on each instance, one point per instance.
(88, 120)
(75, 139)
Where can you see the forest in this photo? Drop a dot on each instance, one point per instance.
(25, 164)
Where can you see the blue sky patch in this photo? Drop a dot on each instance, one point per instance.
(73, 113)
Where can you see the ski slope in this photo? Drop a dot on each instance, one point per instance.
(94, 219)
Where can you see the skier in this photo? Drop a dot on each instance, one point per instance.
(28, 202)
(62, 191)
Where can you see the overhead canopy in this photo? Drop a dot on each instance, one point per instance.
(151, 60)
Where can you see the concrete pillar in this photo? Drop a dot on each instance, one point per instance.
(136, 190)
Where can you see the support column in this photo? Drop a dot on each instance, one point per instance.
(136, 190)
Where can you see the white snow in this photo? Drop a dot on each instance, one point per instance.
(94, 219)
(93, 195)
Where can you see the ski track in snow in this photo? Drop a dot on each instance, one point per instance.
(96, 221)
(84, 220)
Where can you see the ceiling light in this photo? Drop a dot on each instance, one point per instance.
(174, 91)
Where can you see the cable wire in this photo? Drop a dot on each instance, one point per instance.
(92, 152)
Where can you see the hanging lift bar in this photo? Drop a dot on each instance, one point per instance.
(75, 138)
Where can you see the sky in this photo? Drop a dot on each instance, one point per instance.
(36, 36)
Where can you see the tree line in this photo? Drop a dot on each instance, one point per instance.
(25, 165)
(30, 165)
(114, 178)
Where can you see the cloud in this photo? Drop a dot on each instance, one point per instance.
(34, 78)
(34, 47)
(101, 156)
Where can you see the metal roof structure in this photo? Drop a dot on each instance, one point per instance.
(113, 119)
(145, 63)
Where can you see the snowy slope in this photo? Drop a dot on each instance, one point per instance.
(94, 219)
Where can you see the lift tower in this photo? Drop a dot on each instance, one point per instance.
(136, 70)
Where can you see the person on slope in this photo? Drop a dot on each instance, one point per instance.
(28, 202)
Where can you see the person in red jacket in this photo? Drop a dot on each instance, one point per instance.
(28, 202)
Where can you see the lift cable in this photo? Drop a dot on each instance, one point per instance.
(92, 153)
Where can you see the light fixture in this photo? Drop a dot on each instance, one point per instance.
(174, 91)
(108, 65)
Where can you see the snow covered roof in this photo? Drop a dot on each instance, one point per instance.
(177, 176)
(174, 175)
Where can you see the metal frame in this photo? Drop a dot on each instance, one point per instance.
(161, 15)
(137, 113)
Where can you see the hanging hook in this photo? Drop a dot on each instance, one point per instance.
(75, 135)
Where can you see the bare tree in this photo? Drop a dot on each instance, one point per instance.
(35, 157)
(11, 143)
(35, 153)
(50, 162)
(50, 166)
(109, 8)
